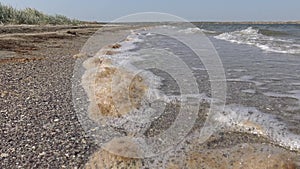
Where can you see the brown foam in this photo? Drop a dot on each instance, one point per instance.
(95, 62)
(125, 147)
(112, 91)
(244, 156)
(115, 46)
(103, 159)
(116, 154)
(110, 52)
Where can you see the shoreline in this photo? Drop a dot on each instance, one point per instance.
(36, 97)
(251, 22)
(225, 22)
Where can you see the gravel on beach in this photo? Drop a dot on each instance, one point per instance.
(39, 127)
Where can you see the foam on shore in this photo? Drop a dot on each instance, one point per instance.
(250, 120)
(119, 93)
(248, 156)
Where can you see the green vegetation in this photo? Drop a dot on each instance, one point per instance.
(10, 15)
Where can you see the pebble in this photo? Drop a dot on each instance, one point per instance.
(41, 104)
(3, 155)
(3, 94)
(42, 154)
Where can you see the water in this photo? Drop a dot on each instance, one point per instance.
(267, 65)
(262, 64)
(262, 68)
(270, 38)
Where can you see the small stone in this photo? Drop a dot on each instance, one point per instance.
(3, 94)
(56, 120)
(3, 155)
(42, 154)
(79, 55)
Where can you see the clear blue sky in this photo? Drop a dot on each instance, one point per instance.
(193, 10)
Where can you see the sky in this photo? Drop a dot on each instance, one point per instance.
(191, 10)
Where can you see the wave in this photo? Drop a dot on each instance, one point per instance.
(268, 32)
(195, 30)
(254, 37)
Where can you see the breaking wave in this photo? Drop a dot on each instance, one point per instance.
(254, 37)
(195, 30)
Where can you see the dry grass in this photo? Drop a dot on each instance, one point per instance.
(10, 15)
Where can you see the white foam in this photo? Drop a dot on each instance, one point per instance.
(166, 26)
(251, 91)
(296, 84)
(252, 37)
(237, 70)
(250, 120)
(149, 34)
(199, 68)
(195, 30)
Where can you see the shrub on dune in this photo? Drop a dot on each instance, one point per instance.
(10, 15)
